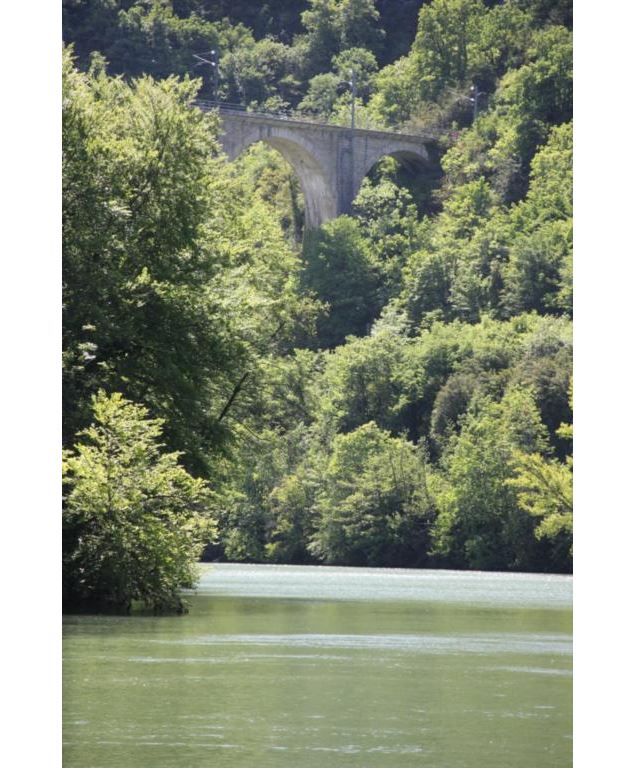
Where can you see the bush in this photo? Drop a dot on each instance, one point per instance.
(134, 521)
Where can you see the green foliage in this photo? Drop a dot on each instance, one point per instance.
(265, 171)
(448, 31)
(291, 503)
(134, 521)
(481, 257)
(396, 90)
(481, 525)
(449, 278)
(389, 218)
(176, 277)
(333, 26)
(148, 37)
(390, 389)
(373, 506)
(358, 61)
(322, 94)
(545, 490)
(360, 382)
(263, 73)
(137, 185)
(340, 248)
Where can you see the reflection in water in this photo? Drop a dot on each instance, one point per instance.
(294, 666)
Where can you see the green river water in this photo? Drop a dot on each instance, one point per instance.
(307, 667)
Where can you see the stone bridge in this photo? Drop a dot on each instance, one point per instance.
(330, 161)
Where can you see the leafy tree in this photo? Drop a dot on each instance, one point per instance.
(336, 25)
(373, 506)
(359, 61)
(360, 382)
(262, 73)
(448, 31)
(291, 503)
(359, 25)
(135, 522)
(533, 276)
(546, 367)
(389, 217)
(150, 37)
(549, 11)
(322, 93)
(545, 491)
(137, 307)
(340, 248)
(323, 33)
(177, 278)
(448, 278)
(480, 524)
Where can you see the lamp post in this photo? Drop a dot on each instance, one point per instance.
(475, 93)
(213, 63)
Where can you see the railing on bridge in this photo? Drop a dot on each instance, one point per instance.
(224, 106)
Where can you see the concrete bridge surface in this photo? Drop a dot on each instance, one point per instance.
(330, 161)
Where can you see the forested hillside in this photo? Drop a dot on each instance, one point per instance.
(392, 390)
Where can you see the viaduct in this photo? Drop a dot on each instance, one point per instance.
(330, 161)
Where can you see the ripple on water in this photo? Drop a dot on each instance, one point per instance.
(482, 643)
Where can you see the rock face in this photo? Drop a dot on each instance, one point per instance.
(330, 161)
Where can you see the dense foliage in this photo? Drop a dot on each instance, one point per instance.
(392, 389)
(134, 520)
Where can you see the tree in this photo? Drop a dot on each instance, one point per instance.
(177, 277)
(373, 506)
(291, 502)
(389, 218)
(480, 524)
(335, 25)
(533, 276)
(446, 35)
(545, 491)
(140, 315)
(359, 382)
(134, 521)
(260, 73)
(341, 272)
(322, 93)
(361, 62)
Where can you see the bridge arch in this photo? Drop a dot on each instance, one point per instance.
(320, 195)
(320, 203)
(415, 159)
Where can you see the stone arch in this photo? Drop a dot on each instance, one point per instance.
(320, 198)
(320, 203)
(416, 158)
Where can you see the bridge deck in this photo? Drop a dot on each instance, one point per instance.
(277, 118)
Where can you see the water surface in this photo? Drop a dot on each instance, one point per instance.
(284, 666)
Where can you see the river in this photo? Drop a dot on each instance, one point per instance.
(314, 667)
